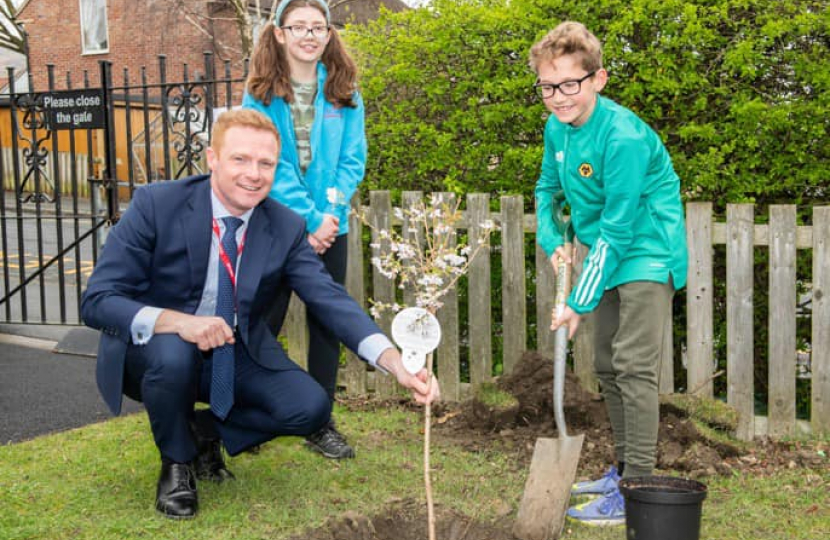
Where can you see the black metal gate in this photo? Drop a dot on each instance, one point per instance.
(63, 188)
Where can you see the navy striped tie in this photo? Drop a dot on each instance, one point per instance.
(221, 382)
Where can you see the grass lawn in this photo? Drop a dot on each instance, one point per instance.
(99, 482)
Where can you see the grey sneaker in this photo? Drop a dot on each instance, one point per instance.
(330, 442)
(606, 511)
(609, 482)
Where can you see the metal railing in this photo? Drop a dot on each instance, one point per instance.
(63, 185)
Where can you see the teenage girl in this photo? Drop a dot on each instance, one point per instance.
(303, 79)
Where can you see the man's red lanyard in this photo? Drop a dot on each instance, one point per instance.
(226, 261)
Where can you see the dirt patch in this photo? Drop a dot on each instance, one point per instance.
(681, 446)
(404, 520)
(682, 449)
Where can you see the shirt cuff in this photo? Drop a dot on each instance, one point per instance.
(143, 326)
(372, 347)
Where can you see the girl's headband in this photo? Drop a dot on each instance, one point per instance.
(284, 4)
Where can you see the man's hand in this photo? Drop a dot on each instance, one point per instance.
(425, 389)
(206, 332)
(560, 254)
(570, 318)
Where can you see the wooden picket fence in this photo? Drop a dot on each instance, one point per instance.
(739, 233)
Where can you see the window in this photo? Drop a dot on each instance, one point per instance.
(94, 38)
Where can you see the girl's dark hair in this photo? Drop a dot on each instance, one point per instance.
(270, 74)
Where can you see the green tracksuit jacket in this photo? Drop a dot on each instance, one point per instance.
(624, 199)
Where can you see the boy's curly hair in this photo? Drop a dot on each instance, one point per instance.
(568, 38)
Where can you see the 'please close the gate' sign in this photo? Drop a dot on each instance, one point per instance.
(75, 109)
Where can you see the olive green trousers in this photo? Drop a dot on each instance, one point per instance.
(630, 325)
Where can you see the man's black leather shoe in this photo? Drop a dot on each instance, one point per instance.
(209, 463)
(176, 495)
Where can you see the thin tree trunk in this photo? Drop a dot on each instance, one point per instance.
(427, 478)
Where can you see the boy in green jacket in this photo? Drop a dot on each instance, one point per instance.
(624, 199)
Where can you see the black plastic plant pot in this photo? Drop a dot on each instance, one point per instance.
(662, 507)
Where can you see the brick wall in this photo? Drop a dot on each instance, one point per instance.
(139, 31)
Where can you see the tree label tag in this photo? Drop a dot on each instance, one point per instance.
(417, 332)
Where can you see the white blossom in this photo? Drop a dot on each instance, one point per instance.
(331, 195)
(430, 279)
(454, 260)
(406, 252)
(420, 257)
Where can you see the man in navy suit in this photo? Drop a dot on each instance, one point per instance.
(156, 295)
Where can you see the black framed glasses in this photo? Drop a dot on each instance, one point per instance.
(567, 88)
(299, 31)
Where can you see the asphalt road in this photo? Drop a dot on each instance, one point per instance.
(42, 391)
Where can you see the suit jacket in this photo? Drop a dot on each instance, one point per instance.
(157, 255)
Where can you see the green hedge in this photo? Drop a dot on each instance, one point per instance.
(738, 89)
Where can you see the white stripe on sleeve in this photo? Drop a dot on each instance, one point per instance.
(591, 278)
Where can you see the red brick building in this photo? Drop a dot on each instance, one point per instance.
(129, 33)
(74, 35)
(152, 129)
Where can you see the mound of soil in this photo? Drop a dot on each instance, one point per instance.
(404, 520)
(681, 446)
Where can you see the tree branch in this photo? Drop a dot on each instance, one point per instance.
(11, 30)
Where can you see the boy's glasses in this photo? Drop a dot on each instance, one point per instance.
(567, 88)
(319, 31)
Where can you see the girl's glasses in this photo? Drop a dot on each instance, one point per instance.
(318, 31)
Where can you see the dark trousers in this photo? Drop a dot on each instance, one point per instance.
(169, 375)
(323, 347)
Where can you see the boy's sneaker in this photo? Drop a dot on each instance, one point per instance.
(606, 510)
(608, 482)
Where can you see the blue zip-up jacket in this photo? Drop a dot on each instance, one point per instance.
(625, 202)
(338, 156)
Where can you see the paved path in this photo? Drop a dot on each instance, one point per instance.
(42, 391)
